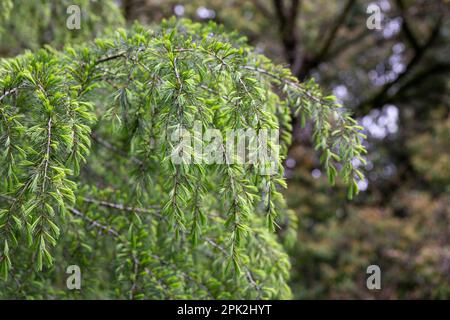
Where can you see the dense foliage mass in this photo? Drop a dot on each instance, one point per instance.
(396, 82)
(88, 178)
(26, 24)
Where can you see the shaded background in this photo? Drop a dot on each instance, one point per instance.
(395, 80)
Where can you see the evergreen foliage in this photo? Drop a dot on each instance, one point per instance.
(26, 24)
(87, 176)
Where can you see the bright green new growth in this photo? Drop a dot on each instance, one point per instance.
(87, 176)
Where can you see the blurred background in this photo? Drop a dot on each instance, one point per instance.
(395, 79)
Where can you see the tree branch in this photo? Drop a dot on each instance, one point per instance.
(407, 30)
(287, 18)
(384, 95)
(7, 93)
(309, 62)
(333, 32)
(119, 206)
(95, 223)
(342, 47)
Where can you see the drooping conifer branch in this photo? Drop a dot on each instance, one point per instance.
(117, 105)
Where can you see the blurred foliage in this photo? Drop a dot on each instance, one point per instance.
(407, 237)
(31, 24)
(433, 166)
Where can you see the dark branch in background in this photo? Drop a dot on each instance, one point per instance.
(150, 209)
(406, 28)
(290, 39)
(303, 64)
(384, 95)
(7, 93)
(78, 213)
(112, 57)
(7, 198)
(422, 75)
(94, 223)
(287, 19)
(342, 47)
(311, 63)
(113, 148)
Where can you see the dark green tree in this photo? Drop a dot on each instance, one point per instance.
(88, 176)
(398, 73)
